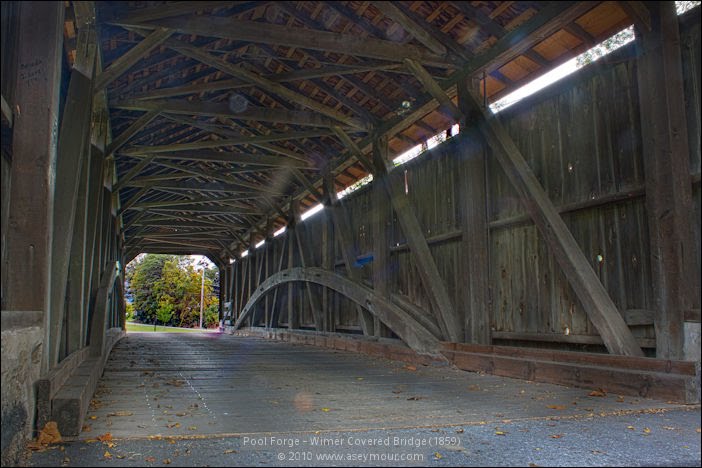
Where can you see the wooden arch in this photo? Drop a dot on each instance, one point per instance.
(402, 324)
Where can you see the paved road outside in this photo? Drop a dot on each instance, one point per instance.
(219, 400)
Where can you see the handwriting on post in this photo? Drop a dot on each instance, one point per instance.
(30, 72)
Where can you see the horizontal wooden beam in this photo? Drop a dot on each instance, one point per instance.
(244, 140)
(233, 158)
(348, 44)
(219, 109)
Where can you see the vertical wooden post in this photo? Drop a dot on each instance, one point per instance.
(451, 326)
(92, 235)
(293, 317)
(73, 139)
(475, 246)
(26, 270)
(76, 301)
(327, 264)
(380, 217)
(666, 157)
(342, 232)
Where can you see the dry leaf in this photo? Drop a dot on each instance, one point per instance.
(104, 437)
(359, 378)
(460, 431)
(35, 446)
(415, 398)
(501, 433)
(474, 388)
(557, 436)
(533, 464)
(230, 451)
(121, 456)
(669, 428)
(167, 461)
(647, 430)
(49, 434)
(150, 459)
(698, 430)
(438, 456)
(93, 417)
(410, 368)
(121, 413)
(556, 407)
(181, 414)
(326, 410)
(87, 428)
(598, 393)
(192, 428)
(107, 454)
(631, 428)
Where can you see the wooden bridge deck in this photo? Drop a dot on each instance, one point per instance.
(206, 384)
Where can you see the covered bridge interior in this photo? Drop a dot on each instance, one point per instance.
(561, 231)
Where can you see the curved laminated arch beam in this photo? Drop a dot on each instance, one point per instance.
(400, 322)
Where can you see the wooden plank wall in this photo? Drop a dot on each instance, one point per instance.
(582, 139)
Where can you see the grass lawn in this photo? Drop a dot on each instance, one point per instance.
(141, 327)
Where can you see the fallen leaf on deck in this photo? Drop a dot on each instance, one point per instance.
(107, 454)
(87, 428)
(326, 410)
(631, 428)
(500, 433)
(410, 368)
(167, 461)
(359, 378)
(121, 413)
(192, 428)
(533, 464)
(598, 393)
(460, 431)
(698, 430)
(230, 451)
(173, 425)
(49, 434)
(415, 398)
(556, 436)
(181, 414)
(647, 430)
(669, 428)
(150, 459)
(104, 437)
(474, 388)
(556, 407)
(438, 456)
(93, 417)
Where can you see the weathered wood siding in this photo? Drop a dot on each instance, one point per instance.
(582, 139)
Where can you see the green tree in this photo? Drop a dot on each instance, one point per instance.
(142, 278)
(167, 288)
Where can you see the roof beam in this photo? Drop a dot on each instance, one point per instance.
(132, 173)
(219, 109)
(234, 158)
(408, 24)
(268, 85)
(348, 44)
(231, 142)
(434, 89)
(136, 53)
(192, 185)
(131, 131)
